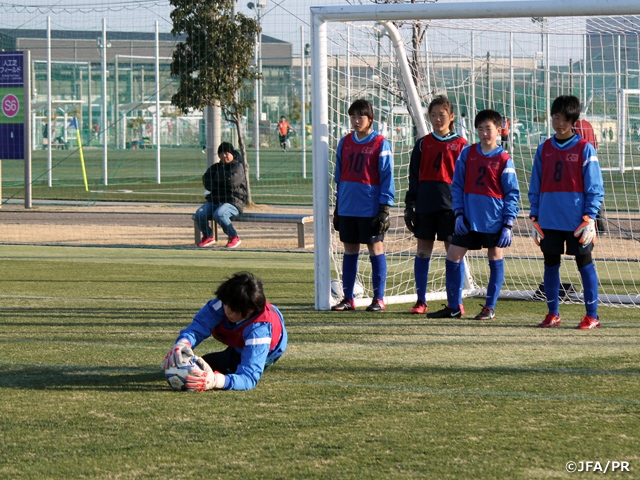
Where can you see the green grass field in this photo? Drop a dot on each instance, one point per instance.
(357, 395)
(132, 176)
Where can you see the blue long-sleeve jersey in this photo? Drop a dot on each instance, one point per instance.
(257, 337)
(559, 198)
(368, 187)
(487, 207)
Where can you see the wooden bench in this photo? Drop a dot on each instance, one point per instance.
(298, 218)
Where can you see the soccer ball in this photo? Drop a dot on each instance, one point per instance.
(177, 376)
(337, 294)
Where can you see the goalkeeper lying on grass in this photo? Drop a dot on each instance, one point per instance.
(241, 318)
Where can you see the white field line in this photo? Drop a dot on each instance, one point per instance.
(480, 393)
(106, 299)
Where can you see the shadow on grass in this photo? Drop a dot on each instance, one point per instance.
(94, 316)
(121, 379)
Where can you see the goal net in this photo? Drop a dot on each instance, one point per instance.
(513, 57)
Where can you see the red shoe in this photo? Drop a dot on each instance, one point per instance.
(420, 307)
(233, 242)
(486, 313)
(551, 320)
(462, 312)
(588, 323)
(344, 305)
(377, 305)
(207, 242)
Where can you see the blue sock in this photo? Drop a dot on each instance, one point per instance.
(349, 271)
(590, 289)
(452, 282)
(379, 275)
(551, 280)
(496, 279)
(421, 274)
(463, 274)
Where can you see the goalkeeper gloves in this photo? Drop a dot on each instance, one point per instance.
(505, 237)
(380, 223)
(586, 231)
(461, 224)
(179, 355)
(204, 378)
(536, 231)
(410, 218)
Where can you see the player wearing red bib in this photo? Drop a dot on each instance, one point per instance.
(566, 192)
(485, 203)
(428, 211)
(241, 318)
(364, 195)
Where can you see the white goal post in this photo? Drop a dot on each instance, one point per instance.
(364, 51)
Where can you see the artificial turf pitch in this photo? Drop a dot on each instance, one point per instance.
(357, 395)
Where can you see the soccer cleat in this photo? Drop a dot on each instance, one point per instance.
(420, 307)
(233, 242)
(588, 323)
(486, 314)
(377, 305)
(446, 312)
(462, 312)
(550, 320)
(344, 305)
(207, 242)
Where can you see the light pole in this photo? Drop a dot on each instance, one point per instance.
(102, 45)
(258, 6)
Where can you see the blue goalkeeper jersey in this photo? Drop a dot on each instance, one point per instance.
(258, 349)
(364, 175)
(485, 188)
(566, 183)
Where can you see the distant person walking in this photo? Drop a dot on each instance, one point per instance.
(504, 133)
(284, 130)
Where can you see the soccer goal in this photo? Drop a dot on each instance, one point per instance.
(514, 57)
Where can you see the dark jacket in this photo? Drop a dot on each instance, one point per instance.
(227, 183)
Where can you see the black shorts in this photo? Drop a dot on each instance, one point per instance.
(554, 241)
(357, 230)
(476, 240)
(228, 360)
(225, 362)
(283, 138)
(437, 223)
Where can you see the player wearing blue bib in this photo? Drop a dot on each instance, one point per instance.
(566, 192)
(429, 212)
(364, 195)
(485, 202)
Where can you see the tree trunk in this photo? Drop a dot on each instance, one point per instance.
(243, 150)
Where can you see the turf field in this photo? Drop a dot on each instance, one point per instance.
(132, 176)
(357, 395)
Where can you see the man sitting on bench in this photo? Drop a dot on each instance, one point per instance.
(225, 186)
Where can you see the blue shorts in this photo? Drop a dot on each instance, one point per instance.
(357, 230)
(476, 240)
(554, 241)
(437, 223)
